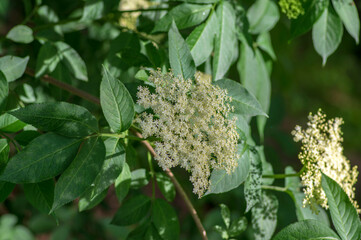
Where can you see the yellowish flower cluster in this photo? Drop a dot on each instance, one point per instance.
(292, 8)
(322, 152)
(190, 118)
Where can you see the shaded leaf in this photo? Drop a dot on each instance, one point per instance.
(9, 123)
(122, 183)
(165, 219)
(140, 178)
(47, 59)
(86, 202)
(5, 189)
(80, 173)
(132, 211)
(45, 157)
(4, 91)
(40, 195)
(252, 186)
(262, 16)
(64, 118)
(226, 214)
(4, 153)
(166, 186)
(117, 103)
(237, 227)
(264, 42)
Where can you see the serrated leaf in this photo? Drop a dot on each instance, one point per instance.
(264, 217)
(343, 214)
(80, 173)
(20, 34)
(200, 41)
(122, 183)
(132, 211)
(13, 67)
(226, 214)
(112, 167)
(4, 91)
(63, 118)
(184, 15)
(307, 230)
(45, 157)
(40, 195)
(180, 57)
(223, 182)
(165, 219)
(348, 13)
(243, 101)
(252, 186)
(255, 78)
(117, 103)
(327, 33)
(226, 40)
(166, 186)
(262, 16)
(5, 189)
(9, 123)
(313, 10)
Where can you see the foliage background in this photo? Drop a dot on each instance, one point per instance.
(299, 85)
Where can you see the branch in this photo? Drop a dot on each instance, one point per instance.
(96, 100)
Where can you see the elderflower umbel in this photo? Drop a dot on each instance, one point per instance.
(322, 152)
(191, 122)
(292, 8)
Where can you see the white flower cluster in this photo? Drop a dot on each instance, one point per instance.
(322, 151)
(190, 118)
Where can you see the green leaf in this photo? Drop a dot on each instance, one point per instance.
(80, 173)
(264, 217)
(264, 43)
(132, 211)
(47, 60)
(13, 67)
(180, 57)
(140, 178)
(4, 153)
(304, 22)
(243, 101)
(86, 203)
(25, 137)
(4, 91)
(306, 230)
(93, 10)
(63, 118)
(122, 183)
(252, 186)
(20, 34)
(152, 233)
(226, 40)
(222, 182)
(200, 1)
(255, 78)
(200, 41)
(262, 16)
(72, 60)
(226, 214)
(117, 103)
(166, 186)
(5, 189)
(343, 214)
(267, 168)
(9, 123)
(165, 219)
(184, 15)
(112, 167)
(40, 195)
(348, 13)
(45, 157)
(237, 227)
(327, 33)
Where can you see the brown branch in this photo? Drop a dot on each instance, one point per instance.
(96, 100)
(65, 86)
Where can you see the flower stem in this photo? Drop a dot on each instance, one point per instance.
(281, 176)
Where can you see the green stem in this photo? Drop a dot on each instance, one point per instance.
(152, 174)
(119, 12)
(12, 141)
(281, 176)
(279, 189)
(121, 135)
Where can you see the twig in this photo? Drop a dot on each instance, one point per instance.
(96, 100)
(66, 87)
